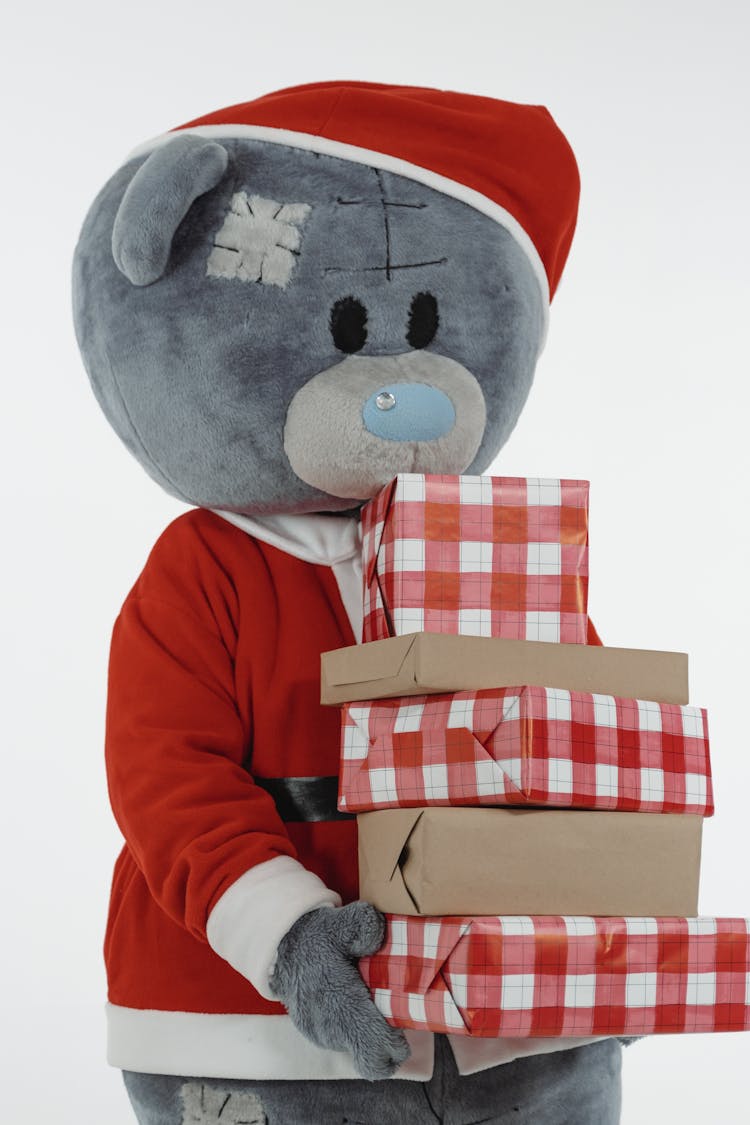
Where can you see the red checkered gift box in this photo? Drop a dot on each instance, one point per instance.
(555, 976)
(525, 745)
(484, 556)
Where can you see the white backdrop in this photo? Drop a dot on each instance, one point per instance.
(642, 389)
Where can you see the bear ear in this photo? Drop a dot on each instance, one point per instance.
(156, 201)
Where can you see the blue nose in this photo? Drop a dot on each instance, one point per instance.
(409, 412)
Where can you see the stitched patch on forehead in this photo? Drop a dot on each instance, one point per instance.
(258, 241)
(210, 1105)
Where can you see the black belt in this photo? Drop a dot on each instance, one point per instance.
(304, 798)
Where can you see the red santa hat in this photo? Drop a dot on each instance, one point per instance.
(509, 161)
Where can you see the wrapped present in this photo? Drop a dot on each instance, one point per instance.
(484, 556)
(525, 746)
(528, 861)
(563, 976)
(434, 663)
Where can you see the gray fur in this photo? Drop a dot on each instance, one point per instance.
(157, 200)
(317, 979)
(197, 374)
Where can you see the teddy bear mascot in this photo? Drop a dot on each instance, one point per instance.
(280, 306)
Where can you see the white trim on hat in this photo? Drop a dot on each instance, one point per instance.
(386, 163)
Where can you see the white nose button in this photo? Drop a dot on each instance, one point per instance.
(385, 401)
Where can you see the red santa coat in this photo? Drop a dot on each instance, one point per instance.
(213, 707)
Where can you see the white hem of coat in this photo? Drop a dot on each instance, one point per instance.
(198, 1044)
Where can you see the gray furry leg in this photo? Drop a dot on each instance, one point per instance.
(576, 1087)
(161, 1099)
(155, 1098)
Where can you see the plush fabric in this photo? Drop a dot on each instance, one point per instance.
(197, 373)
(409, 412)
(317, 980)
(330, 444)
(157, 200)
(258, 240)
(213, 681)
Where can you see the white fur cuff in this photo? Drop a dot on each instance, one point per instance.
(250, 919)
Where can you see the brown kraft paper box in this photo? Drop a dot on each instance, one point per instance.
(428, 663)
(455, 861)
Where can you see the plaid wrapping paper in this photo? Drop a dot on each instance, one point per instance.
(481, 556)
(525, 746)
(556, 976)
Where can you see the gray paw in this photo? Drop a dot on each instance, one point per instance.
(360, 929)
(379, 1055)
(317, 979)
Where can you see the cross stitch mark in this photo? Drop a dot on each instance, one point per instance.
(387, 226)
(380, 203)
(389, 267)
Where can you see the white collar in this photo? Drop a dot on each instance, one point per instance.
(325, 540)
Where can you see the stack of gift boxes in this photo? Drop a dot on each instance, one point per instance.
(530, 804)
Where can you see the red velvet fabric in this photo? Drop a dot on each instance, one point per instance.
(214, 678)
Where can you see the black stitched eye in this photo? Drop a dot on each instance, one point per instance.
(423, 320)
(349, 325)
